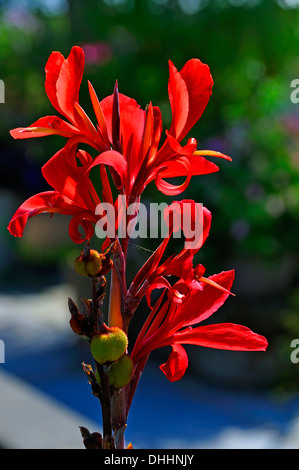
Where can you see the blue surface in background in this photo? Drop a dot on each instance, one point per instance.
(163, 414)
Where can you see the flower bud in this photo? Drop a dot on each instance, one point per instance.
(199, 271)
(77, 322)
(109, 346)
(192, 141)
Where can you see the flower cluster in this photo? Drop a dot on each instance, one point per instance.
(129, 155)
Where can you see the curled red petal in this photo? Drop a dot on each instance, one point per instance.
(171, 166)
(198, 166)
(111, 158)
(159, 283)
(49, 201)
(84, 221)
(171, 189)
(176, 364)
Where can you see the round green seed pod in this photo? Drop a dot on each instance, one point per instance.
(121, 372)
(109, 346)
(94, 263)
(80, 266)
(89, 265)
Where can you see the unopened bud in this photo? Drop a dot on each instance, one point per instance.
(199, 271)
(91, 440)
(192, 141)
(77, 323)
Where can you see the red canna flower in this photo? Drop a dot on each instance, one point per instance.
(153, 273)
(127, 143)
(174, 318)
(126, 137)
(172, 323)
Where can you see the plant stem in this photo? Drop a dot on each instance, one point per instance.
(105, 386)
(135, 380)
(105, 401)
(119, 415)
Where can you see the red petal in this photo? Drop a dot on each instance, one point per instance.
(190, 217)
(206, 301)
(198, 166)
(52, 69)
(196, 91)
(176, 364)
(168, 159)
(63, 80)
(99, 114)
(132, 121)
(49, 201)
(45, 126)
(81, 220)
(64, 177)
(182, 168)
(223, 336)
(159, 283)
(179, 101)
(114, 159)
(149, 266)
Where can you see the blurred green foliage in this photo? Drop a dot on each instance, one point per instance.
(251, 47)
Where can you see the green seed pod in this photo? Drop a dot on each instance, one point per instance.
(109, 346)
(121, 372)
(89, 265)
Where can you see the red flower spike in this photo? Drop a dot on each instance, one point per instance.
(127, 139)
